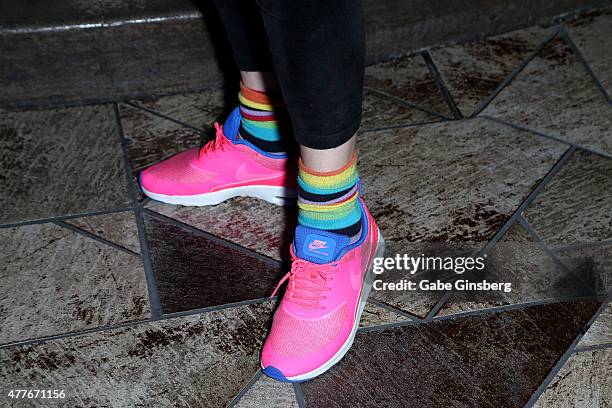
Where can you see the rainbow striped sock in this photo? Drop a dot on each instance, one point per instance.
(265, 122)
(329, 201)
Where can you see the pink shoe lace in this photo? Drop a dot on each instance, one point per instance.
(309, 282)
(217, 144)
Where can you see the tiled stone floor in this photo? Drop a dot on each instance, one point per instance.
(500, 147)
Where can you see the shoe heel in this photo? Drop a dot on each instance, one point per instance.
(370, 275)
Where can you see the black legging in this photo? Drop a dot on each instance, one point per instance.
(317, 49)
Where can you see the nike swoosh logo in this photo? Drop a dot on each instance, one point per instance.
(243, 174)
(312, 247)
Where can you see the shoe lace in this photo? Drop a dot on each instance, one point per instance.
(307, 282)
(217, 144)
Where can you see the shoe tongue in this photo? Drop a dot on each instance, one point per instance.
(232, 124)
(318, 246)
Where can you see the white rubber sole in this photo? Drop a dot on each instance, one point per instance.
(363, 297)
(271, 194)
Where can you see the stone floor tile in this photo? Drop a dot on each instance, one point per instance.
(596, 262)
(380, 111)
(474, 70)
(60, 162)
(198, 361)
(255, 224)
(374, 315)
(489, 360)
(198, 110)
(53, 280)
(267, 392)
(555, 95)
(449, 182)
(534, 275)
(119, 228)
(593, 37)
(585, 381)
(409, 79)
(574, 208)
(193, 271)
(600, 331)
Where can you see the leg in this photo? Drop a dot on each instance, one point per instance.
(318, 53)
(265, 125)
(318, 50)
(249, 154)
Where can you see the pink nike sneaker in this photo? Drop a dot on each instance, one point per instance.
(329, 282)
(224, 168)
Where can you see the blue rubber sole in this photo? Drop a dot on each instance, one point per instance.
(276, 374)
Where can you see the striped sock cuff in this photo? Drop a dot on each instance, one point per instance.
(333, 220)
(328, 182)
(264, 120)
(260, 97)
(329, 200)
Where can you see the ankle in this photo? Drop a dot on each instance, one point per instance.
(330, 200)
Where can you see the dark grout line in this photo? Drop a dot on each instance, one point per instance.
(403, 102)
(446, 95)
(216, 308)
(95, 237)
(477, 312)
(394, 325)
(514, 306)
(446, 296)
(65, 217)
(555, 138)
(390, 308)
(568, 40)
(134, 323)
(166, 117)
(593, 348)
(154, 301)
(218, 240)
(245, 389)
(70, 334)
(562, 360)
(591, 151)
(540, 242)
(433, 312)
(530, 198)
(508, 80)
(526, 129)
(299, 395)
